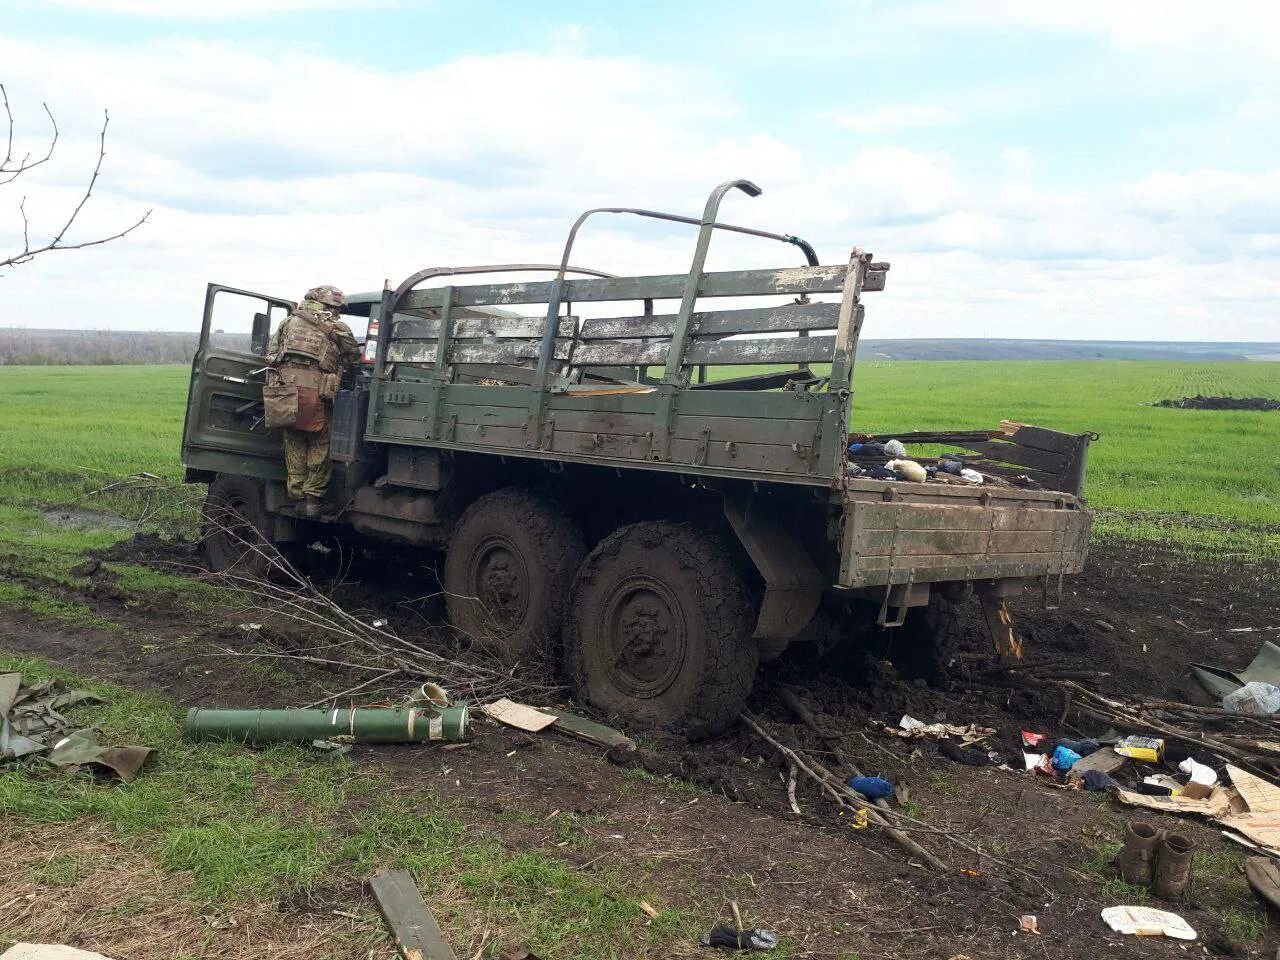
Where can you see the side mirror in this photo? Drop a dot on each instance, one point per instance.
(261, 335)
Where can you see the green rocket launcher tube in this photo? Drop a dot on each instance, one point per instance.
(361, 724)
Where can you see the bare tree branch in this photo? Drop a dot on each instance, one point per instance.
(8, 170)
(11, 170)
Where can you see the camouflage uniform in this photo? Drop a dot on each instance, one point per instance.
(310, 342)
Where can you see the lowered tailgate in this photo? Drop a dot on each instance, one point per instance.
(927, 533)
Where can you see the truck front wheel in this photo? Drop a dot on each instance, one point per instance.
(508, 570)
(235, 520)
(659, 629)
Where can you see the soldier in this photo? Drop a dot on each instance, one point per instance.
(311, 350)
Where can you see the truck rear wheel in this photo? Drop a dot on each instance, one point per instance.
(659, 629)
(508, 569)
(924, 646)
(234, 529)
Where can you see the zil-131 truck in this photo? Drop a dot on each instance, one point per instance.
(608, 490)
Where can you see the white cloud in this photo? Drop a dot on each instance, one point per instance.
(212, 9)
(278, 171)
(893, 119)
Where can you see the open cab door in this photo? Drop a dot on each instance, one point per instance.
(224, 430)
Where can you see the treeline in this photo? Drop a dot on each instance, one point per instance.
(20, 346)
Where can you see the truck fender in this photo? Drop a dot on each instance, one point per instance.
(793, 582)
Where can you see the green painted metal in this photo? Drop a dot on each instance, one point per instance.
(362, 724)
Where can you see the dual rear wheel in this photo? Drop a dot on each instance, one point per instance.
(655, 621)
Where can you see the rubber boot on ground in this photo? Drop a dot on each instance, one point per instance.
(1137, 860)
(1174, 855)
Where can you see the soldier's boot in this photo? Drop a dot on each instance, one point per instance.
(1174, 856)
(1136, 861)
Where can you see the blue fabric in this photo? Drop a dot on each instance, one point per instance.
(1064, 758)
(1097, 780)
(873, 788)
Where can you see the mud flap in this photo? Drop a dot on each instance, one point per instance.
(1005, 636)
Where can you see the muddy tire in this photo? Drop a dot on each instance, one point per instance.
(508, 570)
(924, 646)
(235, 527)
(659, 629)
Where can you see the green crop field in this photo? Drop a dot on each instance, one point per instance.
(1208, 479)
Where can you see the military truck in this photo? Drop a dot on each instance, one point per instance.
(659, 497)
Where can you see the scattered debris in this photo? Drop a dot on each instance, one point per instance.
(1219, 682)
(354, 724)
(726, 938)
(1255, 698)
(519, 715)
(1147, 922)
(417, 935)
(1146, 749)
(1028, 923)
(649, 910)
(910, 728)
(1263, 874)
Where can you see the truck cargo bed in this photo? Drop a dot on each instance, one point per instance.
(899, 532)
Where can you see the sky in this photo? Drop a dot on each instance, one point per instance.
(1093, 170)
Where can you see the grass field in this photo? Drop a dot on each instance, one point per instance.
(1209, 479)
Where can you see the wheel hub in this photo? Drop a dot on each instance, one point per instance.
(501, 581)
(646, 637)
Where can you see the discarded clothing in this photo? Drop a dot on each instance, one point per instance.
(1152, 789)
(1097, 780)
(873, 788)
(32, 723)
(908, 470)
(1064, 758)
(726, 938)
(960, 755)
(81, 749)
(1082, 747)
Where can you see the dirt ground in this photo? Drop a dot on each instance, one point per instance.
(714, 816)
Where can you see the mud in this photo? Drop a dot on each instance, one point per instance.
(701, 824)
(1199, 402)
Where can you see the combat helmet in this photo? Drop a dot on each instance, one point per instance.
(329, 296)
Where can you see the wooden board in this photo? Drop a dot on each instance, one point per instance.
(417, 935)
(729, 283)
(787, 317)
(519, 715)
(746, 351)
(1104, 760)
(593, 732)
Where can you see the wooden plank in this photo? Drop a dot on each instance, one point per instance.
(504, 351)
(753, 351)
(592, 732)
(1104, 760)
(904, 543)
(730, 283)
(479, 328)
(1053, 463)
(1042, 439)
(779, 319)
(417, 935)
